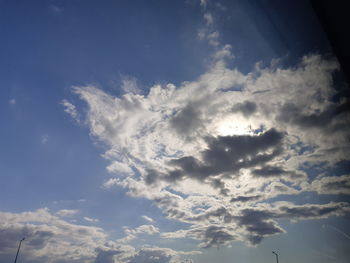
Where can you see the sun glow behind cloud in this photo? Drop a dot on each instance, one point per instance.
(234, 126)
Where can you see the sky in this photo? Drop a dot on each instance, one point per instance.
(192, 131)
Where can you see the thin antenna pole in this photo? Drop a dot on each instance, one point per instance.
(19, 247)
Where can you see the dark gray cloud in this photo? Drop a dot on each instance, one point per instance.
(272, 171)
(262, 223)
(216, 236)
(258, 225)
(323, 120)
(213, 236)
(186, 121)
(219, 184)
(228, 154)
(242, 198)
(35, 237)
(313, 211)
(268, 171)
(106, 256)
(247, 108)
(152, 176)
(332, 185)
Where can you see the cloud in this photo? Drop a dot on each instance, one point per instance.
(67, 212)
(158, 255)
(106, 256)
(50, 239)
(91, 220)
(332, 185)
(44, 138)
(130, 84)
(204, 3)
(229, 136)
(56, 9)
(143, 229)
(247, 108)
(71, 110)
(208, 17)
(223, 53)
(245, 198)
(132, 233)
(147, 218)
(214, 151)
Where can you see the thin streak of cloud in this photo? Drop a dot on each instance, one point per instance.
(337, 230)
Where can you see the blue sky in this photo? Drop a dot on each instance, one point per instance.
(166, 131)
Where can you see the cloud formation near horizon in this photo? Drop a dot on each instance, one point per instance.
(49, 238)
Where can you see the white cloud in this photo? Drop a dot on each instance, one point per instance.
(147, 218)
(204, 3)
(223, 53)
(211, 152)
(172, 136)
(12, 101)
(67, 212)
(208, 17)
(132, 233)
(159, 255)
(130, 84)
(49, 239)
(91, 220)
(71, 110)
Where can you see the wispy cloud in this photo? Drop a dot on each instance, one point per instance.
(130, 84)
(91, 220)
(148, 219)
(337, 230)
(44, 138)
(56, 9)
(71, 110)
(67, 212)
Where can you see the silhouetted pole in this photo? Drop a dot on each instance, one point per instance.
(276, 255)
(19, 247)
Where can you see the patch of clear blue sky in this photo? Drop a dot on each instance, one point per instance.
(48, 46)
